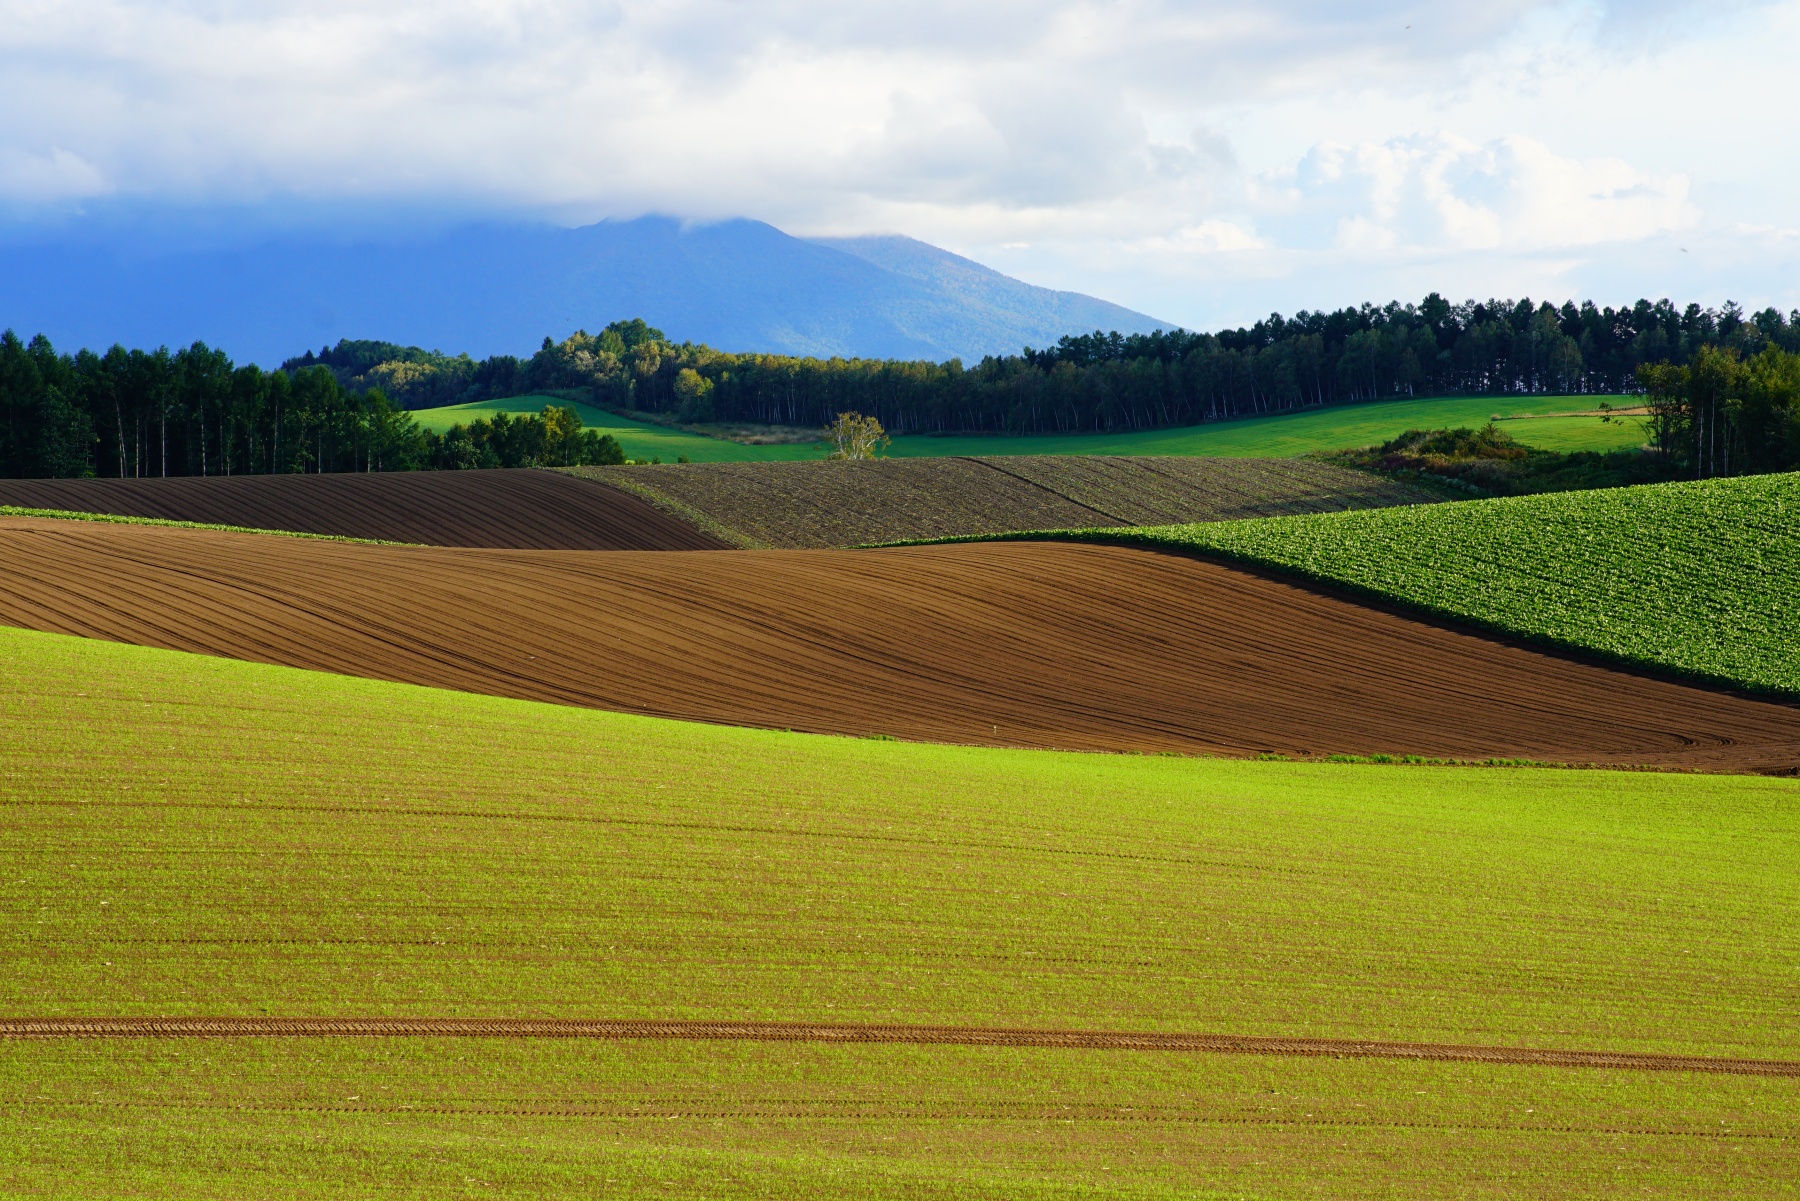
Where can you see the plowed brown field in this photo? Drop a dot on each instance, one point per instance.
(814, 505)
(544, 510)
(1023, 644)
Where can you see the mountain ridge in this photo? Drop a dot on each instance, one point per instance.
(738, 285)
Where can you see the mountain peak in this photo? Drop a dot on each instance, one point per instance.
(1015, 312)
(739, 285)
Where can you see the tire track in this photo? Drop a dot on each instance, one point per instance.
(1011, 1112)
(847, 1033)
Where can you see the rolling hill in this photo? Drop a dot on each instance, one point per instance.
(1696, 578)
(947, 643)
(824, 503)
(1544, 422)
(194, 837)
(517, 509)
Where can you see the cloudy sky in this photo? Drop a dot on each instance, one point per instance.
(1207, 161)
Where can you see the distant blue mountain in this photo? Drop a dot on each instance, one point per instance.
(486, 289)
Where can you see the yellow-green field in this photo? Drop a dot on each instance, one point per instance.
(188, 835)
(1282, 436)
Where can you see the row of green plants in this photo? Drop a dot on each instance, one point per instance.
(1697, 578)
(135, 413)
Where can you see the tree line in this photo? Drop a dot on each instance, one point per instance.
(1102, 382)
(1722, 414)
(137, 413)
(192, 411)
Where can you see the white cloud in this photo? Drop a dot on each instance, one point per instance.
(42, 178)
(1157, 151)
(685, 104)
(1440, 191)
(1204, 237)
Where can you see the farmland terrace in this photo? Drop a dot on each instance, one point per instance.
(1034, 644)
(521, 509)
(706, 506)
(824, 504)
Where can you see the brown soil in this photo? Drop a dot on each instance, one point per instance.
(521, 509)
(846, 1032)
(1021, 644)
(1171, 489)
(827, 504)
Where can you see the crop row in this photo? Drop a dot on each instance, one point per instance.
(1700, 579)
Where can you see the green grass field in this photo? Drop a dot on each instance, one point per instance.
(640, 440)
(188, 835)
(1338, 428)
(1281, 436)
(1698, 578)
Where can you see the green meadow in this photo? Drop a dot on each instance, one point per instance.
(1698, 578)
(640, 440)
(1279, 436)
(190, 835)
(1340, 427)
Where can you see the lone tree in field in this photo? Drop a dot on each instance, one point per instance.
(853, 436)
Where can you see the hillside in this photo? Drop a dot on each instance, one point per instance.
(973, 644)
(735, 285)
(823, 504)
(1532, 420)
(1700, 579)
(515, 509)
(189, 835)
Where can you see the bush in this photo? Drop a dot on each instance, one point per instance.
(552, 438)
(1488, 462)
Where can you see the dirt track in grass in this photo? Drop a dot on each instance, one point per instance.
(862, 1032)
(544, 510)
(1012, 644)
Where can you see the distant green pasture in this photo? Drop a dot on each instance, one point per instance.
(1279, 436)
(193, 835)
(1341, 427)
(640, 440)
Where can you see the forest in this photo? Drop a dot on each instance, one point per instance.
(136, 413)
(192, 411)
(1101, 382)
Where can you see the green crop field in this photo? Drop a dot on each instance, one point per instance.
(190, 835)
(1280, 436)
(1697, 578)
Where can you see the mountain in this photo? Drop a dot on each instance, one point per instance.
(967, 304)
(486, 289)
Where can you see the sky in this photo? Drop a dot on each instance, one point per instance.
(1206, 162)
